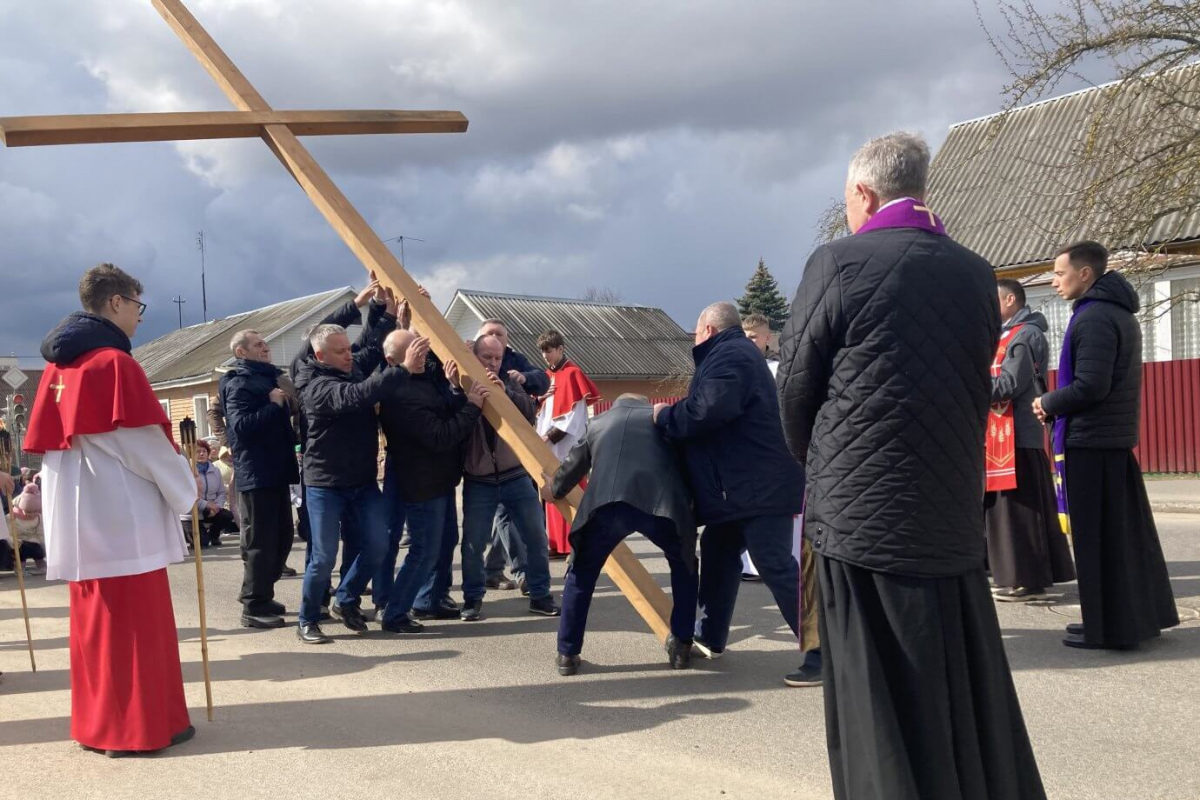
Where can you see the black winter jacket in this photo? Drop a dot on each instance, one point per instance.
(537, 382)
(259, 432)
(1104, 400)
(343, 433)
(737, 463)
(427, 426)
(885, 384)
(1023, 375)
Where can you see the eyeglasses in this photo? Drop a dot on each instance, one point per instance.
(141, 305)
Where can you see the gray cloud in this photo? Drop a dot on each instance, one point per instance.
(656, 148)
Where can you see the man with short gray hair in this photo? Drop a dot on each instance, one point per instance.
(885, 383)
(746, 484)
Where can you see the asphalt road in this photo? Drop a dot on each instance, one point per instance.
(478, 710)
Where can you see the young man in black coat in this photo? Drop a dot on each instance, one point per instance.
(885, 384)
(1124, 590)
(635, 485)
(259, 431)
(746, 485)
(340, 466)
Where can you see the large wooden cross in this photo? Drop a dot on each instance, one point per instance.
(279, 130)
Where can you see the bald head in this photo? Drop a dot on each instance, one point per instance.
(716, 318)
(490, 352)
(396, 345)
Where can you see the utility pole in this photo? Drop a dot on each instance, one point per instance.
(203, 288)
(179, 301)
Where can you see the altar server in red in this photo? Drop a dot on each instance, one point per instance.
(114, 484)
(562, 420)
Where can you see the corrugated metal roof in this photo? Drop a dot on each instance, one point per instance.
(196, 351)
(608, 341)
(1012, 186)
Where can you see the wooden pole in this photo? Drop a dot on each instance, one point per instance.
(187, 439)
(6, 465)
(623, 567)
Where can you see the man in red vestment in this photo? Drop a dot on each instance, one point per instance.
(114, 483)
(562, 421)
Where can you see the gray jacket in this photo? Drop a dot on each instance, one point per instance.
(630, 462)
(488, 457)
(1022, 375)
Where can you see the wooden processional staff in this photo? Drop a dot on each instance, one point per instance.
(187, 440)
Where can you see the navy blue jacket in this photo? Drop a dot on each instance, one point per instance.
(737, 460)
(259, 432)
(537, 382)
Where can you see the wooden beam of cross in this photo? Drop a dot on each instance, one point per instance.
(279, 130)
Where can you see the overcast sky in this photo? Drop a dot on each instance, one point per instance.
(655, 148)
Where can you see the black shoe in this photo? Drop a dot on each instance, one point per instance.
(567, 665)
(352, 618)
(287, 572)
(523, 585)
(544, 606)
(275, 607)
(1075, 628)
(441, 612)
(750, 577)
(500, 582)
(325, 616)
(1079, 642)
(805, 676)
(262, 621)
(311, 634)
(472, 612)
(707, 650)
(185, 735)
(403, 625)
(1019, 594)
(679, 653)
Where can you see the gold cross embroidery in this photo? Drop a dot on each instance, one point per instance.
(58, 390)
(932, 218)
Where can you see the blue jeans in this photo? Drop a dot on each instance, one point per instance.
(426, 529)
(437, 585)
(364, 513)
(385, 576)
(592, 547)
(769, 540)
(518, 497)
(506, 548)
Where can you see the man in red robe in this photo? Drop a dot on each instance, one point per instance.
(562, 421)
(114, 483)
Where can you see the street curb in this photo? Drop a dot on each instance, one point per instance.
(1175, 508)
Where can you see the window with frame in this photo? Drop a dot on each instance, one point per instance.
(1185, 318)
(200, 415)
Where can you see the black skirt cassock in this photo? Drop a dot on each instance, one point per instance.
(1124, 589)
(1026, 545)
(919, 700)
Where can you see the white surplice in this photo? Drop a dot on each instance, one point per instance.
(573, 424)
(111, 504)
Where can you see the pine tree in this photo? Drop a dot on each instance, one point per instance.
(762, 297)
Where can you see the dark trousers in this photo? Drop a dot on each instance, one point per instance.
(427, 528)
(769, 540)
(266, 540)
(592, 546)
(507, 548)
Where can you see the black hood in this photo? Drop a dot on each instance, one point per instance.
(1113, 288)
(81, 333)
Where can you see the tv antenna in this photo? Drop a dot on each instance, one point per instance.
(401, 239)
(179, 301)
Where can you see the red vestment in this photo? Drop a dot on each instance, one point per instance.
(571, 387)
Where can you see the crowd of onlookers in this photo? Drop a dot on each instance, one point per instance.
(27, 520)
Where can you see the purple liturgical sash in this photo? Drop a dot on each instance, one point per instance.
(1058, 437)
(905, 213)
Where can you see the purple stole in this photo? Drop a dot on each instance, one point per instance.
(904, 213)
(1058, 437)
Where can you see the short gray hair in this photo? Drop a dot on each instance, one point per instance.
(722, 315)
(241, 339)
(894, 166)
(319, 336)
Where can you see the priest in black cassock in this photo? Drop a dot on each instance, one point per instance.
(1124, 590)
(884, 388)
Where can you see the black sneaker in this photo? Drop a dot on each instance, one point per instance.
(707, 650)
(679, 653)
(311, 634)
(287, 572)
(441, 612)
(544, 606)
(523, 585)
(472, 612)
(262, 621)
(500, 582)
(275, 607)
(805, 676)
(352, 618)
(567, 665)
(403, 625)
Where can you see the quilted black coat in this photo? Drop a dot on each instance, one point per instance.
(1104, 399)
(884, 390)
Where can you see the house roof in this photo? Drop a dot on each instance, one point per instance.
(1009, 186)
(609, 341)
(198, 350)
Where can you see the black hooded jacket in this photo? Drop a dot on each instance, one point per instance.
(81, 333)
(1104, 399)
